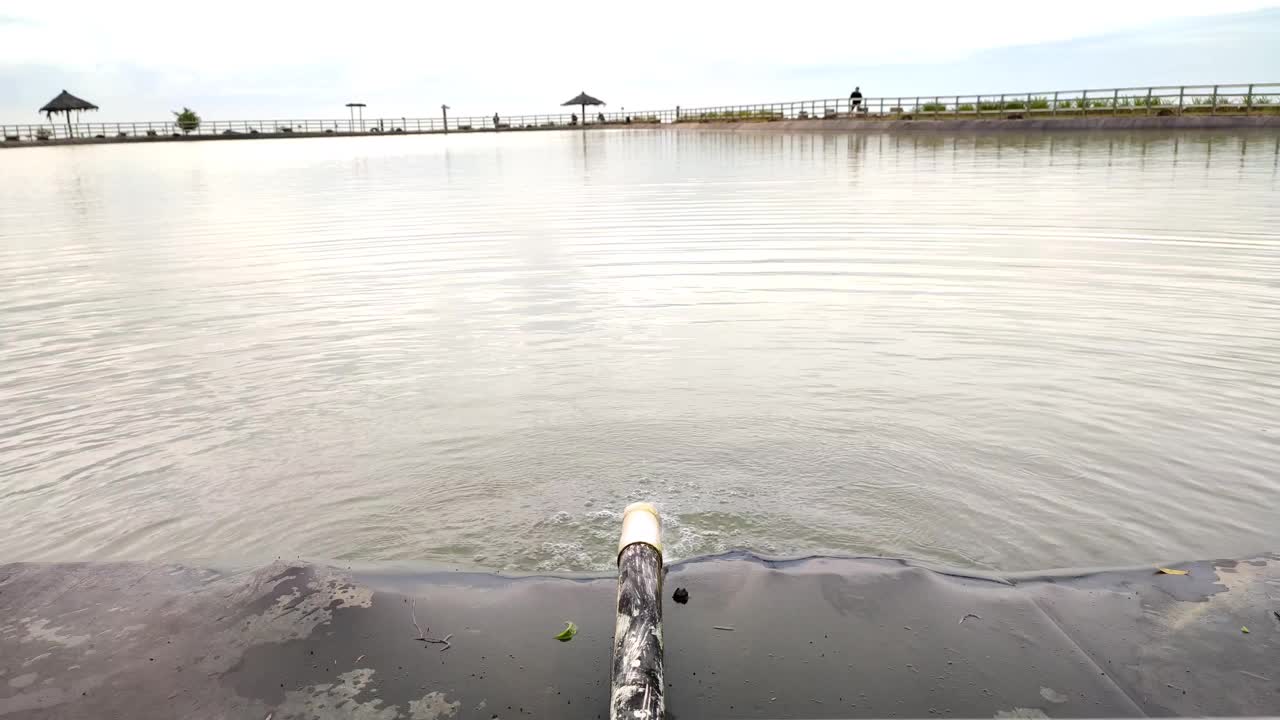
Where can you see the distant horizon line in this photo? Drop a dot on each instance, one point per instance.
(1200, 89)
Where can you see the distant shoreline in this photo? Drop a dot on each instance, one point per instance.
(907, 125)
(145, 139)
(842, 124)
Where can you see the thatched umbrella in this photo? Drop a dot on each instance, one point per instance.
(66, 103)
(583, 100)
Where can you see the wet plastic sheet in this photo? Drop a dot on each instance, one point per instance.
(814, 638)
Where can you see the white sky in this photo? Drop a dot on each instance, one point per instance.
(232, 58)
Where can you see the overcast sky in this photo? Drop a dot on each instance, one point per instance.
(234, 59)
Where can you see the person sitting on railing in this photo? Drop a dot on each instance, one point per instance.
(855, 99)
(600, 117)
(573, 119)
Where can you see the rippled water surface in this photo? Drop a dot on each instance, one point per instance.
(996, 352)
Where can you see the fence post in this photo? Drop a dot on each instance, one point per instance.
(977, 106)
(1214, 109)
(1084, 102)
(1115, 102)
(1054, 112)
(1028, 108)
(1000, 107)
(957, 106)
(1248, 100)
(1181, 91)
(1149, 100)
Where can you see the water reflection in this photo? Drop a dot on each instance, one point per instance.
(1006, 351)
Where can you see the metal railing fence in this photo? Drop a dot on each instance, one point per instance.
(345, 126)
(1243, 98)
(1152, 100)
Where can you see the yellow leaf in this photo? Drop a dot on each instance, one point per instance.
(1173, 571)
(1244, 630)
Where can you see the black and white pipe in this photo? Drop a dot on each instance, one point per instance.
(637, 636)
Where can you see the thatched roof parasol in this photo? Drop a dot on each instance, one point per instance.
(583, 100)
(66, 103)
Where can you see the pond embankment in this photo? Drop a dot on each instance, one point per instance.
(836, 124)
(1020, 124)
(828, 637)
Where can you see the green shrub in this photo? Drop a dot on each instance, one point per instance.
(187, 120)
(1039, 103)
(985, 106)
(933, 107)
(736, 115)
(964, 107)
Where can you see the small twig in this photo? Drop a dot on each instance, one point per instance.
(413, 615)
(721, 627)
(969, 615)
(444, 642)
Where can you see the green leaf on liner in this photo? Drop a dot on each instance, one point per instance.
(569, 631)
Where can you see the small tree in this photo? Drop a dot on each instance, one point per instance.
(187, 121)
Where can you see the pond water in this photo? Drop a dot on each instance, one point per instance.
(1002, 352)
